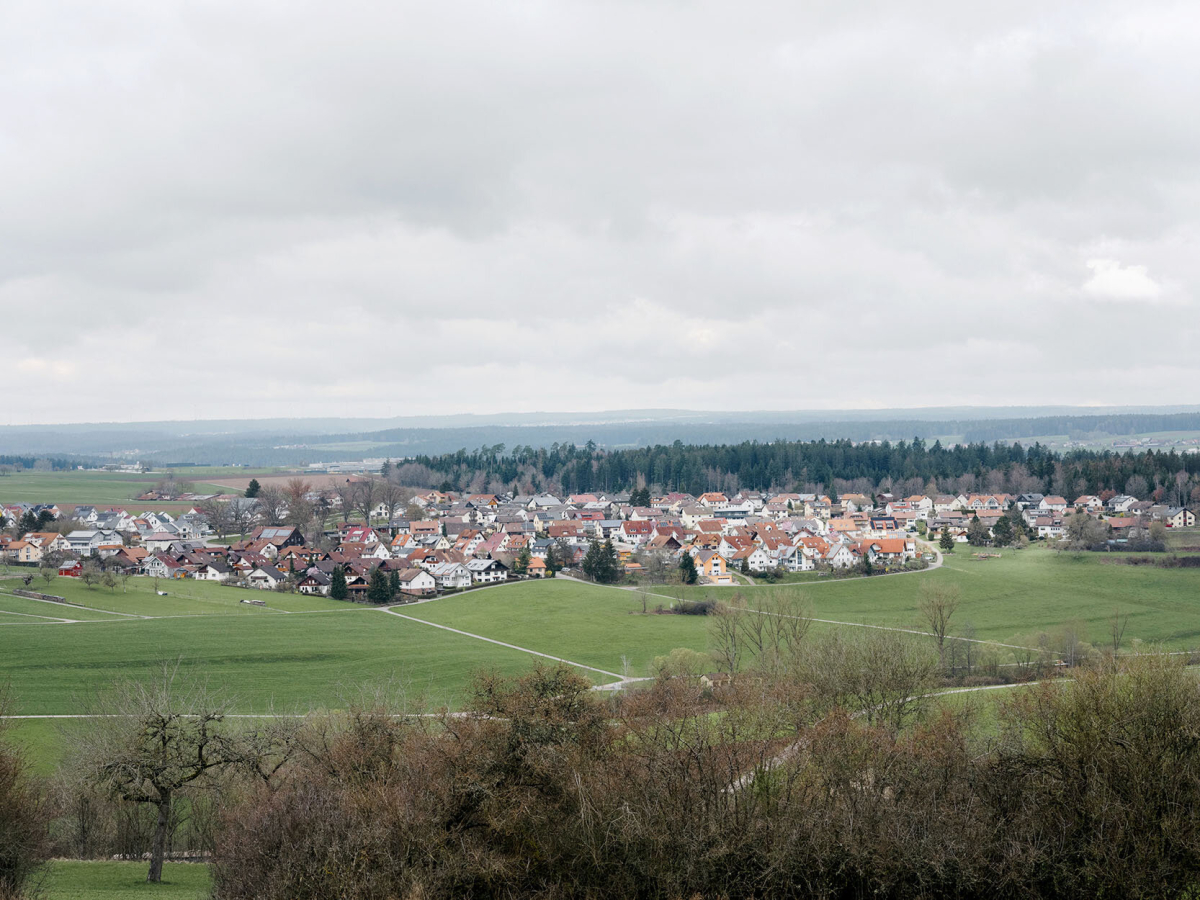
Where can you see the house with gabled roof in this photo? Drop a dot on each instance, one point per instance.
(712, 568)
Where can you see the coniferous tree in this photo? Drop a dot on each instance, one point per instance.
(521, 564)
(947, 541)
(1002, 531)
(552, 561)
(393, 583)
(337, 585)
(687, 569)
(977, 532)
(377, 589)
(253, 488)
(590, 559)
(608, 568)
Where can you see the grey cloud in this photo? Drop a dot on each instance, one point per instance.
(712, 202)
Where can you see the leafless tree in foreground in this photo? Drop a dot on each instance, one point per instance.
(938, 605)
(148, 740)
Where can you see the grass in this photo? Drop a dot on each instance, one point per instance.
(76, 488)
(139, 597)
(1020, 593)
(289, 662)
(593, 625)
(302, 652)
(108, 880)
(40, 740)
(1178, 538)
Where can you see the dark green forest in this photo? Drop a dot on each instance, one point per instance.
(812, 465)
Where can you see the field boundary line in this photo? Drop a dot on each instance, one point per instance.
(69, 605)
(636, 591)
(480, 637)
(50, 619)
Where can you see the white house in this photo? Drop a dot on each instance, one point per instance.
(486, 571)
(213, 571)
(840, 557)
(88, 543)
(266, 577)
(451, 575)
(795, 559)
(417, 581)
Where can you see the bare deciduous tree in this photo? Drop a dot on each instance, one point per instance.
(937, 605)
(273, 505)
(772, 629)
(1116, 630)
(726, 634)
(365, 496)
(297, 491)
(149, 740)
(219, 515)
(344, 491)
(881, 676)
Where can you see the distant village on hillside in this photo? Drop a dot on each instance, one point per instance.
(369, 531)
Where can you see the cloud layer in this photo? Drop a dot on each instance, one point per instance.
(234, 209)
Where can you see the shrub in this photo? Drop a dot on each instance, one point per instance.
(24, 843)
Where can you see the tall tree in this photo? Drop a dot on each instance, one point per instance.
(337, 584)
(687, 569)
(253, 488)
(150, 740)
(977, 532)
(937, 605)
(272, 505)
(377, 587)
(365, 497)
(607, 569)
(1002, 531)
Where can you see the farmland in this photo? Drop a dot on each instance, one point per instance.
(304, 652)
(1023, 592)
(91, 488)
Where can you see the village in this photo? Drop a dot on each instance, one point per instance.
(440, 541)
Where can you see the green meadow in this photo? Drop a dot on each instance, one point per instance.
(110, 880)
(1020, 593)
(89, 488)
(304, 652)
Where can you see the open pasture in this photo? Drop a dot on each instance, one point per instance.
(115, 880)
(1022, 592)
(299, 653)
(75, 488)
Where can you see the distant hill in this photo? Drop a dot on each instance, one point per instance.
(261, 442)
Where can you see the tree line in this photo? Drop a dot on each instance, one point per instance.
(830, 466)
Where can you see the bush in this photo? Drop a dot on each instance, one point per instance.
(766, 788)
(694, 607)
(24, 843)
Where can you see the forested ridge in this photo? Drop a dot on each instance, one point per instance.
(809, 465)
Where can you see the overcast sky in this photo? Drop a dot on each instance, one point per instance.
(231, 209)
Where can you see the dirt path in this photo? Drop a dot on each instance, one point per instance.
(620, 678)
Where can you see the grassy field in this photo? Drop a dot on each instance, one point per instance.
(87, 488)
(1179, 538)
(593, 625)
(1020, 593)
(301, 652)
(109, 880)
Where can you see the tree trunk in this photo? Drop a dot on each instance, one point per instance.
(159, 850)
